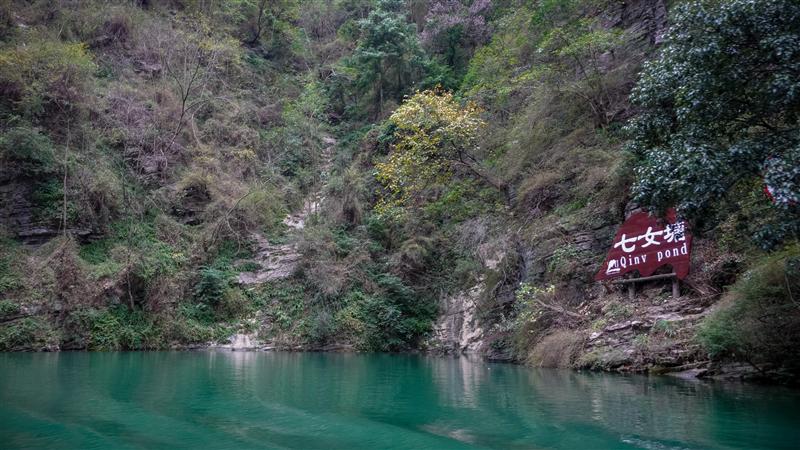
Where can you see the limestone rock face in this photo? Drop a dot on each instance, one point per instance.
(18, 212)
(240, 342)
(458, 329)
(645, 21)
(279, 261)
(276, 261)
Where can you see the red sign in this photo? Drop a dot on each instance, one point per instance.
(644, 243)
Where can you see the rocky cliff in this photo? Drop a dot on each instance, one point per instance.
(607, 331)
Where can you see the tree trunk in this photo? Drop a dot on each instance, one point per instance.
(64, 185)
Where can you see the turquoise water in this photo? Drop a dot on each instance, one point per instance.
(348, 401)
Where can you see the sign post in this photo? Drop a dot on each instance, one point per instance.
(643, 244)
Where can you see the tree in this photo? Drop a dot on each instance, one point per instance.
(454, 29)
(721, 107)
(191, 61)
(388, 59)
(265, 15)
(584, 45)
(435, 137)
(44, 78)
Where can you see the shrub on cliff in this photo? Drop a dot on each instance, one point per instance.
(29, 333)
(721, 106)
(44, 74)
(761, 324)
(435, 137)
(27, 150)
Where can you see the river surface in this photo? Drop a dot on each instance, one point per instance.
(240, 400)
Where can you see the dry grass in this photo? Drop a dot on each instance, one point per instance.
(558, 349)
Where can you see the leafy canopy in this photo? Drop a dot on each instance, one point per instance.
(388, 58)
(434, 135)
(42, 73)
(721, 106)
(454, 28)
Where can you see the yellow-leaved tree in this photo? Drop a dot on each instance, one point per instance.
(435, 137)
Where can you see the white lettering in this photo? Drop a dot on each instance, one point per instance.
(675, 232)
(650, 237)
(623, 242)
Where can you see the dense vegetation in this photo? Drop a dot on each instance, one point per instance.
(727, 103)
(435, 147)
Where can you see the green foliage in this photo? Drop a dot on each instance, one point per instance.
(263, 209)
(454, 29)
(566, 209)
(212, 286)
(373, 322)
(617, 311)
(9, 278)
(553, 80)
(383, 325)
(664, 328)
(152, 256)
(249, 266)
(217, 296)
(465, 270)
(49, 201)
(582, 40)
(96, 252)
(285, 304)
(464, 199)
(391, 319)
(532, 318)
(434, 137)
(179, 102)
(491, 69)
(641, 342)
(28, 150)
(44, 74)
(387, 61)
(263, 21)
(187, 329)
(761, 322)
(748, 213)
(582, 43)
(135, 243)
(119, 328)
(8, 308)
(287, 293)
(320, 328)
(713, 116)
(546, 42)
(563, 258)
(29, 333)
(175, 172)
(295, 146)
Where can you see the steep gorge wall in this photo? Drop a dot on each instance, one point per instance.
(652, 331)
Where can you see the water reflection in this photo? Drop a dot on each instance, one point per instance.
(457, 380)
(292, 400)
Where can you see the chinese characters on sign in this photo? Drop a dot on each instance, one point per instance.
(644, 243)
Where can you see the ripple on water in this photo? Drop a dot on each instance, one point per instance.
(328, 401)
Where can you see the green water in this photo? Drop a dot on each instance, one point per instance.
(331, 401)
